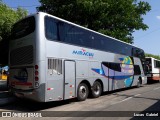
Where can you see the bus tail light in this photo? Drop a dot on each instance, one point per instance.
(36, 67)
(36, 78)
(36, 73)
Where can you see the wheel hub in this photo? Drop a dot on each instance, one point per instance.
(82, 91)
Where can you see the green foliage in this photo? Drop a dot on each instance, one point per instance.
(8, 17)
(154, 56)
(116, 18)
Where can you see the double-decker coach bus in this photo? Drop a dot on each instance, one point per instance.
(153, 71)
(53, 59)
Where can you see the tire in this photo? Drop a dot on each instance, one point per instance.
(96, 89)
(82, 92)
(139, 84)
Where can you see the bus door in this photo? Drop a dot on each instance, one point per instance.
(111, 75)
(114, 76)
(69, 79)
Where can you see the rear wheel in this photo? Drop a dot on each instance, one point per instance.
(96, 89)
(139, 82)
(82, 92)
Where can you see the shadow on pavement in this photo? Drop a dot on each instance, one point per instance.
(26, 105)
(152, 110)
(21, 104)
(5, 96)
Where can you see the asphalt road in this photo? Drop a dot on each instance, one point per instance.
(118, 105)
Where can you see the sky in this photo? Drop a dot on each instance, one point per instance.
(29, 5)
(148, 40)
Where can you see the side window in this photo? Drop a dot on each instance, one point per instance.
(115, 66)
(77, 36)
(137, 70)
(156, 64)
(55, 66)
(74, 35)
(135, 52)
(138, 53)
(51, 28)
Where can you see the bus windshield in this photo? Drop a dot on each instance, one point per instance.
(23, 28)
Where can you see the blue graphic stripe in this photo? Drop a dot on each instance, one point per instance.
(120, 77)
(99, 71)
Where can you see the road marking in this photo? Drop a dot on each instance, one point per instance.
(122, 100)
(156, 88)
(126, 99)
(137, 95)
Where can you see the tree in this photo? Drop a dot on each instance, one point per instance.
(116, 18)
(154, 56)
(8, 17)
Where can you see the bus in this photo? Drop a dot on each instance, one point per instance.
(52, 59)
(153, 71)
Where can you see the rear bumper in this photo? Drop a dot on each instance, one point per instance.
(32, 94)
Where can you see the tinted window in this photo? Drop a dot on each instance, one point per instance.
(68, 33)
(58, 30)
(77, 36)
(108, 44)
(51, 29)
(156, 64)
(23, 28)
(138, 53)
(148, 67)
(113, 66)
(148, 60)
(137, 70)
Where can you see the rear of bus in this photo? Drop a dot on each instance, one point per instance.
(153, 69)
(26, 60)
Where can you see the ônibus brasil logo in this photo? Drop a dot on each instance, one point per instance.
(83, 52)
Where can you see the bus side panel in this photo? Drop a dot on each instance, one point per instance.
(82, 69)
(38, 94)
(82, 72)
(69, 79)
(136, 77)
(54, 90)
(155, 70)
(97, 73)
(54, 82)
(137, 61)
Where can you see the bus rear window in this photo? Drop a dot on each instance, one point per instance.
(23, 28)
